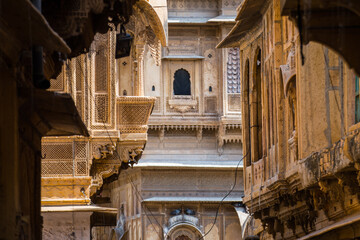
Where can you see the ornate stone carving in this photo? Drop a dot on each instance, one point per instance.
(183, 105)
(103, 151)
(289, 69)
(233, 71)
(133, 113)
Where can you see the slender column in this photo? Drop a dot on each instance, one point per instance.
(139, 81)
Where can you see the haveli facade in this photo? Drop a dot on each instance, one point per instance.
(75, 168)
(194, 136)
(300, 117)
(37, 37)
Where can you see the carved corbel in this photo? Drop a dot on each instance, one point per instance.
(291, 224)
(131, 155)
(220, 137)
(199, 133)
(333, 190)
(104, 151)
(349, 179)
(162, 134)
(104, 168)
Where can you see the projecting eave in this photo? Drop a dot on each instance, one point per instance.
(54, 114)
(72, 208)
(249, 14)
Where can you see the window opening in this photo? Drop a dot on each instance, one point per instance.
(182, 84)
(258, 109)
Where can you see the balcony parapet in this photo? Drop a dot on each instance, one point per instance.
(74, 168)
(133, 113)
(326, 181)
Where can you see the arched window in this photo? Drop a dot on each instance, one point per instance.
(182, 84)
(257, 123)
(246, 95)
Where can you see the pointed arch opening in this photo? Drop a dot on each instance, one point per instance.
(182, 83)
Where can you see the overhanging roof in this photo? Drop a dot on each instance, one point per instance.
(248, 16)
(87, 208)
(56, 112)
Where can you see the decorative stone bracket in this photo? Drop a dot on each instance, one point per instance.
(182, 105)
(123, 157)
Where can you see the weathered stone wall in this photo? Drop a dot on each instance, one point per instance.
(298, 127)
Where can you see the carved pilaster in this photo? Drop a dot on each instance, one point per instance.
(139, 81)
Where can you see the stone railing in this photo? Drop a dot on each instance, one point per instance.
(258, 172)
(325, 163)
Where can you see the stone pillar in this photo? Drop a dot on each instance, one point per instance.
(139, 81)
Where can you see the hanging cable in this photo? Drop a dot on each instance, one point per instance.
(226, 195)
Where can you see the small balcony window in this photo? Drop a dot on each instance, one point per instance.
(182, 84)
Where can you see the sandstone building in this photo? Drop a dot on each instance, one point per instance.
(194, 136)
(300, 117)
(193, 139)
(37, 36)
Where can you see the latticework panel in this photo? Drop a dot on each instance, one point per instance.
(57, 168)
(57, 150)
(133, 114)
(101, 108)
(79, 71)
(58, 83)
(101, 69)
(79, 103)
(65, 159)
(81, 155)
(180, 132)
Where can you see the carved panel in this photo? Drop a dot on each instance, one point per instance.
(210, 104)
(58, 83)
(210, 72)
(133, 113)
(192, 4)
(157, 105)
(234, 102)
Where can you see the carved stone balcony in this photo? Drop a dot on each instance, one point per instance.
(74, 168)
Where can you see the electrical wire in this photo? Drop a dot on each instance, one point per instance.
(226, 195)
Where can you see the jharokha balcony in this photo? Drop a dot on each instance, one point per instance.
(74, 168)
(324, 186)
